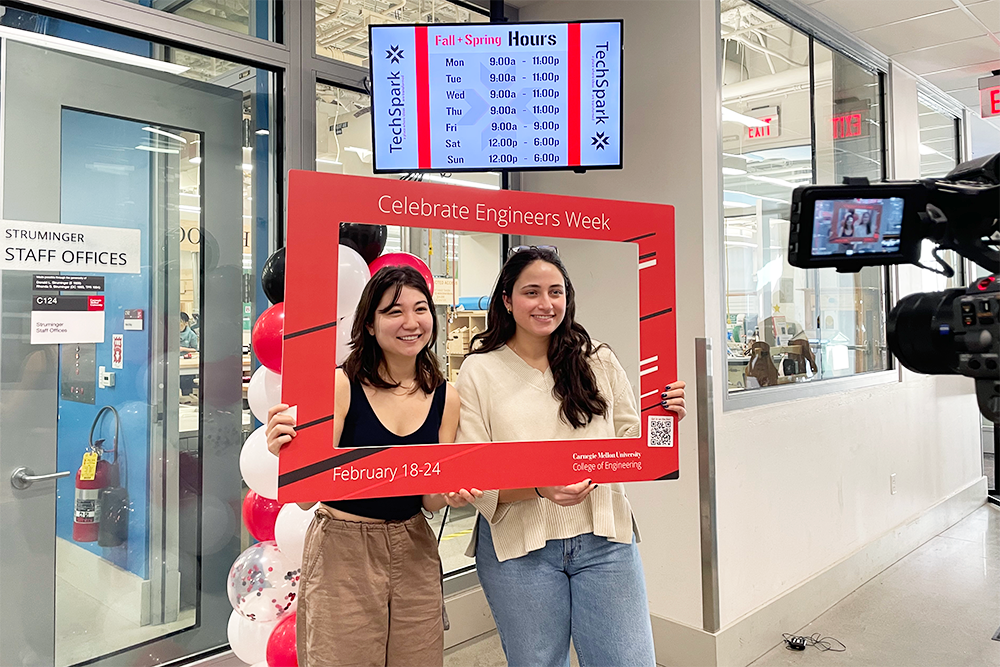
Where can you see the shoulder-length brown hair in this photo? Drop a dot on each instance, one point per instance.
(570, 346)
(366, 362)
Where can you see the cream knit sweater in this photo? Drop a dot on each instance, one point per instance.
(505, 399)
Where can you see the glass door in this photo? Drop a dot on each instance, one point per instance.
(120, 408)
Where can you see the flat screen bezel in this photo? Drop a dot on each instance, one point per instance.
(450, 170)
(909, 246)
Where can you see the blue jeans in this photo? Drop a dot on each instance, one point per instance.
(586, 587)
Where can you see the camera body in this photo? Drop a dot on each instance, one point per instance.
(860, 224)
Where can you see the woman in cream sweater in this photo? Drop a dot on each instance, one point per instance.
(555, 561)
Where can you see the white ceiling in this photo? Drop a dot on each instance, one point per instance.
(950, 43)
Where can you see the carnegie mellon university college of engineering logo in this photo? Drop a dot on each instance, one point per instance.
(394, 54)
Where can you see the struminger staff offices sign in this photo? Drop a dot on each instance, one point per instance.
(51, 247)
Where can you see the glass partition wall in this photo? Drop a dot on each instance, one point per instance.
(794, 113)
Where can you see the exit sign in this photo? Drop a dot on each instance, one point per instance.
(849, 125)
(771, 130)
(989, 96)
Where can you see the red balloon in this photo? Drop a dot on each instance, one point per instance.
(266, 336)
(281, 644)
(259, 515)
(404, 259)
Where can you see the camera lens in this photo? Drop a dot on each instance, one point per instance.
(915, 334)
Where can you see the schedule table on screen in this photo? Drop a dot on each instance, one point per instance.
(510, 96)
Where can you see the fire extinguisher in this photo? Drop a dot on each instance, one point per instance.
(91, 479)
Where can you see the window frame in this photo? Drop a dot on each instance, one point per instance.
(817, 29)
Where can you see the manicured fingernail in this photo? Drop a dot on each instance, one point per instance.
(667, 388)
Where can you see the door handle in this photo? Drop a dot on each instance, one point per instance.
(23, 477)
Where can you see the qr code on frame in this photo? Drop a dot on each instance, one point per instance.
(660, 431)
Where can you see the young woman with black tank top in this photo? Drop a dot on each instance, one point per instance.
(371, 575)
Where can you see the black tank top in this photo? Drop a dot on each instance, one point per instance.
(362, 428)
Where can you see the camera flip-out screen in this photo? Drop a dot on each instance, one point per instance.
(856, 226)
(864, 226)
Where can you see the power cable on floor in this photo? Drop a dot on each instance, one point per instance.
(797, 643)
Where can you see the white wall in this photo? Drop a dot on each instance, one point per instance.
(478, 264)
(608, 309)
(668, 100)
(801, 484)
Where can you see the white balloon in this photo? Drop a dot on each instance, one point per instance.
(290, 531)
(248, 639)
(344, 327)
(264, 392)
(353, 274)
(258, 466)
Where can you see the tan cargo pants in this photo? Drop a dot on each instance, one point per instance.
(370, 595)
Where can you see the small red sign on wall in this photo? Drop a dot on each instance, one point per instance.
(769, 115)
(849, 125)
(989, 101)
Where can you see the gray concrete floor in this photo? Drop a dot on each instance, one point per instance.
(485, 651)
(938, 606)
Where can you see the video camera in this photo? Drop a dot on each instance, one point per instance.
(858, 224)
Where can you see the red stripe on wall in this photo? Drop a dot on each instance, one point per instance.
(573, 124)
(423, 100)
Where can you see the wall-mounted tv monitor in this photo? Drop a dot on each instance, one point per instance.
(488, 97)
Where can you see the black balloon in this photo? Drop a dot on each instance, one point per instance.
(368, 240)
(272, 277)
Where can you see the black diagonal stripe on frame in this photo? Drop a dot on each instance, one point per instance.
(670, 475)
(650, 407)
(656, 314)
(327, 464)
(647, 256)
(315, 422)
(319, 327)
(639, 238)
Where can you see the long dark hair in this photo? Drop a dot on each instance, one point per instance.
(570, 346)
(366, 361)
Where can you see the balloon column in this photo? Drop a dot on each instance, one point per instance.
(264, 581)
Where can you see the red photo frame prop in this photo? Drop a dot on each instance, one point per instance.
(311, 469)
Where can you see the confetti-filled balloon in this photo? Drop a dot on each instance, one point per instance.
(263, 583)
